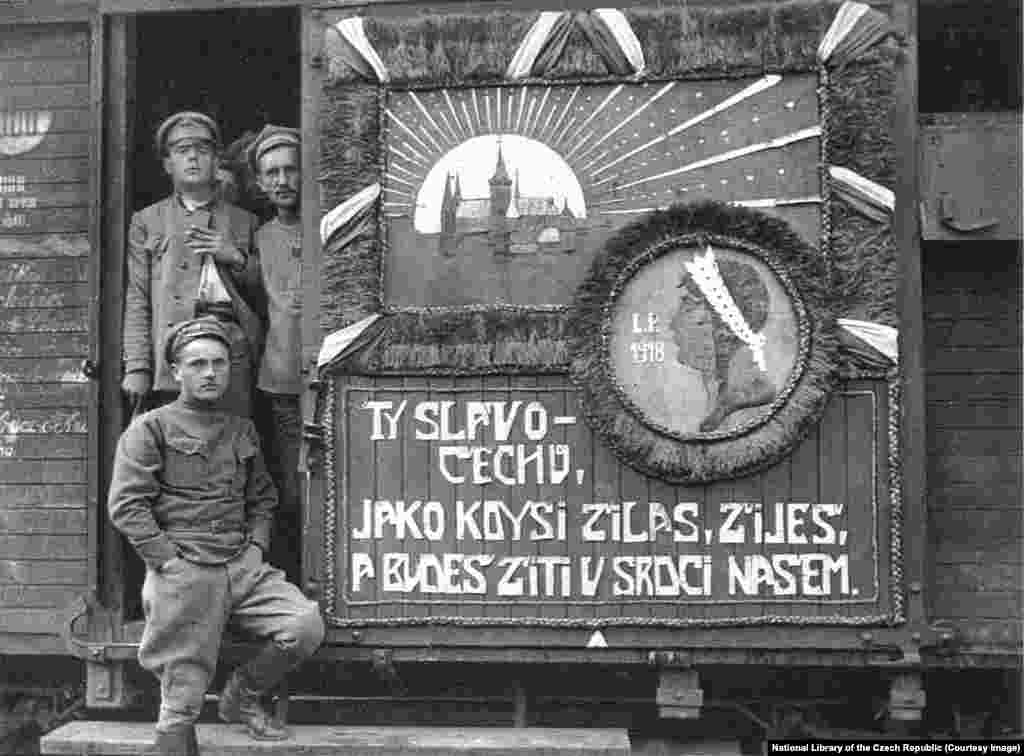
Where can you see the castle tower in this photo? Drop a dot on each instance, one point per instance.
(501, 198)
(449, 207)
(501, 187)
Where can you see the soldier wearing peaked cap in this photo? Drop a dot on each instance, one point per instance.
(274, 158)
(191, 254)
(192, 495)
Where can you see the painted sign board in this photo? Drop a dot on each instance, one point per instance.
(624, 287)
(491, 500)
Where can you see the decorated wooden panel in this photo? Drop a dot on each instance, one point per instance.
(491, 501)
(506, 194)
(44, 316)
(609, 298)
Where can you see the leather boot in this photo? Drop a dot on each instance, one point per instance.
(240, 700)
(179, 740)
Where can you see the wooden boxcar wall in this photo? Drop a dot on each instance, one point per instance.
(973, 369)
(45, 97)
(970, 55)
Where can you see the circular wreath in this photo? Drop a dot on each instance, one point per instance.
(640, 440)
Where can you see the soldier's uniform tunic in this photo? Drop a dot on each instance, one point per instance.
(281, 264)
(191, 483)
(163, 286)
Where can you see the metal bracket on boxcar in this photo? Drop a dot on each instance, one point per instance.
(312, 433)
(947, 216)
(83, 606)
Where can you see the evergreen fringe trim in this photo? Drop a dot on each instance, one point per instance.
(481, 342)
(862, 251)
(677, 41)
(698, 460)
(859, 97)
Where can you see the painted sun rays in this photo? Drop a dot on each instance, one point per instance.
(598, 133)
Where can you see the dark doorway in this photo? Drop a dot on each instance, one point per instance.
(241, 67)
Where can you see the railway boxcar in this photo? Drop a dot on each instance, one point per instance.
(667, 346)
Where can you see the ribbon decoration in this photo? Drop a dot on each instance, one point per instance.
(870, 199)
(349, 219)
(882, 339)
(856, 28)
(342, 341)
(348, 45)
(548, 35)
(607, 29)
(613, 39)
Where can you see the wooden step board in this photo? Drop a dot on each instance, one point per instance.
(135, 739)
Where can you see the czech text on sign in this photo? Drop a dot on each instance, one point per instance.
(475, 496)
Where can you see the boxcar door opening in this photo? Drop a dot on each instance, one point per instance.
(242, 69)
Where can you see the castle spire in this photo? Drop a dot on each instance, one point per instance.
(501, 187)
(500, 171)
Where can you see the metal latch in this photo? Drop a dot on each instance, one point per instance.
(947, 216)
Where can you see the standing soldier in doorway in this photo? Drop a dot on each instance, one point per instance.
(191, 493)
(274, 158)
(190, 254)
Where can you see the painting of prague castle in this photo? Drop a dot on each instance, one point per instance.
(507, 194)
(512, 223)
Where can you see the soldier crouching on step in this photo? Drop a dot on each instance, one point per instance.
(191, 493)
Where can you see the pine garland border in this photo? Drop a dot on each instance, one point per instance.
(645, 445)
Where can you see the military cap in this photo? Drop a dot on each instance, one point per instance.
(268, 139)
(187, 331)
(185, 117)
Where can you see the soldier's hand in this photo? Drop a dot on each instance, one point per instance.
(137, 383)
(207, 241)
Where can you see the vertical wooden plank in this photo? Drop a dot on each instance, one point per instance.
(776, 485)
(361, 482)
(606, 489)
(805, 484)
(310, 42)
(864, 431)
(842, 456)
(97, 75)
(494, 388)
(526, 605)
(390, 470)
(834, 450)
(553, 401)
(576, 493)
(119, 141)
(447, 493)
(633, 490)
(748, 491)
(706, 519)
(416, 474)
(906, 231)
(311, 83)
(660, 544)
(883, 496)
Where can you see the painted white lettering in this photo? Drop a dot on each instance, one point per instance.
(362, 568)
(382, 415)
(425, 414)
(465, 521)
(590, 578)
(731, 531)
(685, 514)
(535, 421)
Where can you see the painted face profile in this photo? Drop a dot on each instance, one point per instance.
(717, 330)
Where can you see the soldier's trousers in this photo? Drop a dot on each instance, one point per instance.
(188, 607)
(282, 437)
